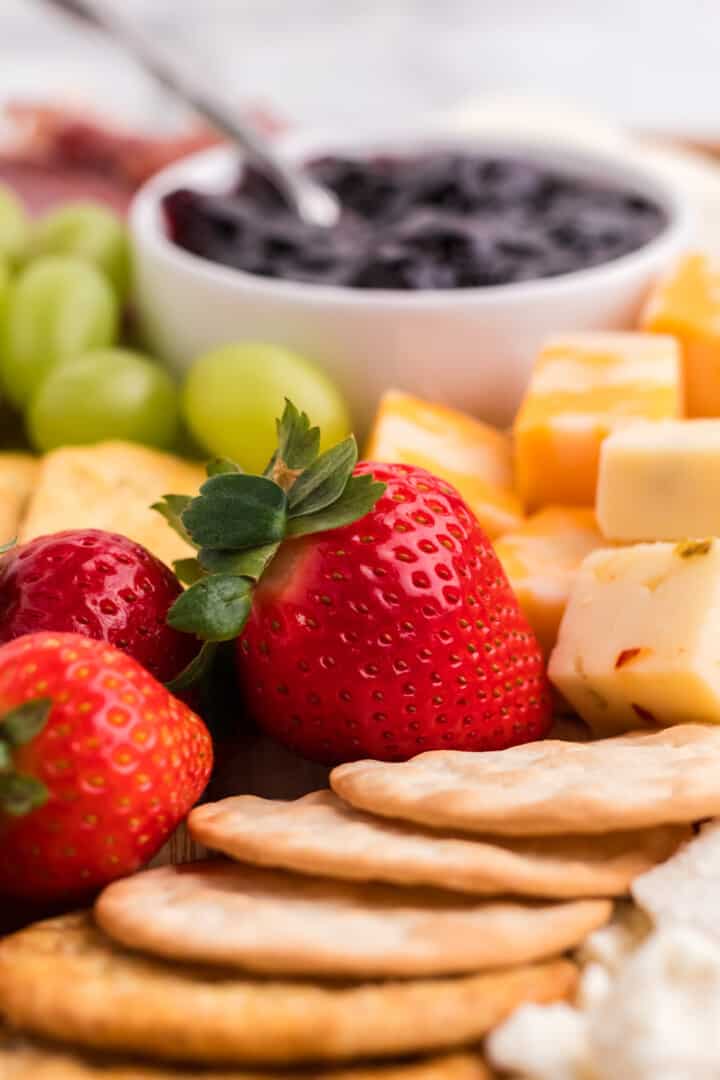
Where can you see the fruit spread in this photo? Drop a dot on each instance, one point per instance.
(440, 220)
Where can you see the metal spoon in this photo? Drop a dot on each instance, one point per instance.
(312, 202)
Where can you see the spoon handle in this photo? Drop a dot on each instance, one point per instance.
(310, 201)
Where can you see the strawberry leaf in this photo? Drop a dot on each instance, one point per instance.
(251, 563)
(298, 442)
(19, 795)
(195, 670)
(220, 466)
(188, 571)
(171, 508)
(238, 522)
(24, 722)
(324, 481)
(214, 609)
(360, 495)
(4, 548)
(236, 511)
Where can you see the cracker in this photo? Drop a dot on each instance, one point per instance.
(550, 788)
(319, 834)
(18, 474)
(111, 486)
(271, 922)
(63, 979)
(22, 1059)
(685, 890)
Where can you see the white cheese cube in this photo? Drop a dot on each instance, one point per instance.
(660, 481)
(639, 644)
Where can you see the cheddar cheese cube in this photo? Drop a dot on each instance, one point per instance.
(687, 304)
(472, 456)
(582, 387)
(660, 481)
(541, 559)
(639, 643)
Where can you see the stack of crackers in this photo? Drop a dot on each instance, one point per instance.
(394, 920)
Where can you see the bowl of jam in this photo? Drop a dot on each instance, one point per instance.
(451, 261)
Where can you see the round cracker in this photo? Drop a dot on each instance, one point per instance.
(22, 1059)
(272, 922)
(63, 979)
(320, 834)
(550, 788)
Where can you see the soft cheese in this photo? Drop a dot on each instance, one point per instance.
(687, 305)
(639, 643)
(660, 481)
(657, 1017)
(541, 559)
(584, 386)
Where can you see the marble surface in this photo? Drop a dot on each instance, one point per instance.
(649, 63)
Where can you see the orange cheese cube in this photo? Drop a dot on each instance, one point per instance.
(582, 387)
(687, 304)
(474, 457)
(541, 559)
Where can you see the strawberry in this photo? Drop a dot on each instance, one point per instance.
(98, 584)
(98, 764)
(374, 618)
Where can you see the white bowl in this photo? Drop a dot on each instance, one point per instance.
(472, 348)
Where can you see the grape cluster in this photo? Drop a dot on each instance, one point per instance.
(436, 221)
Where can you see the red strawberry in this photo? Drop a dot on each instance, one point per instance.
(382, 623)
(396, 634)
(98, 764)
(98, 584)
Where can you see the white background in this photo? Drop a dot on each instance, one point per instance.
(650, 63)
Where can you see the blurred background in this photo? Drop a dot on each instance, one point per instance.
(652, 64)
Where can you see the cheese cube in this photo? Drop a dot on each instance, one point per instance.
(582, 387)
(472, 456)
(639, 643)
(687, 304)
(541, 559)
(660, 481)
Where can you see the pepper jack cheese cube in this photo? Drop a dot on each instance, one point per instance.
(639, 643)
(541, 559)
(687, 305)
(474, 457)
(583, 386)
(660, 481)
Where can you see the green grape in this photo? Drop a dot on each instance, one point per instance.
(58, 307)
(14, 225)
(89, 231)
(105, 394)
(233, 395)
(4, 288)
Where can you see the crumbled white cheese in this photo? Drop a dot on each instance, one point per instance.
(685, 890)
(658, 1019)
(612, 944)
(542, 1042)
(661, 1017)
(594, 987)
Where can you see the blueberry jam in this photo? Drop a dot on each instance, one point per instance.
(437, 221)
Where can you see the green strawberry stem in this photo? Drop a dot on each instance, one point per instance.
(238, 522)
(20, 794)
